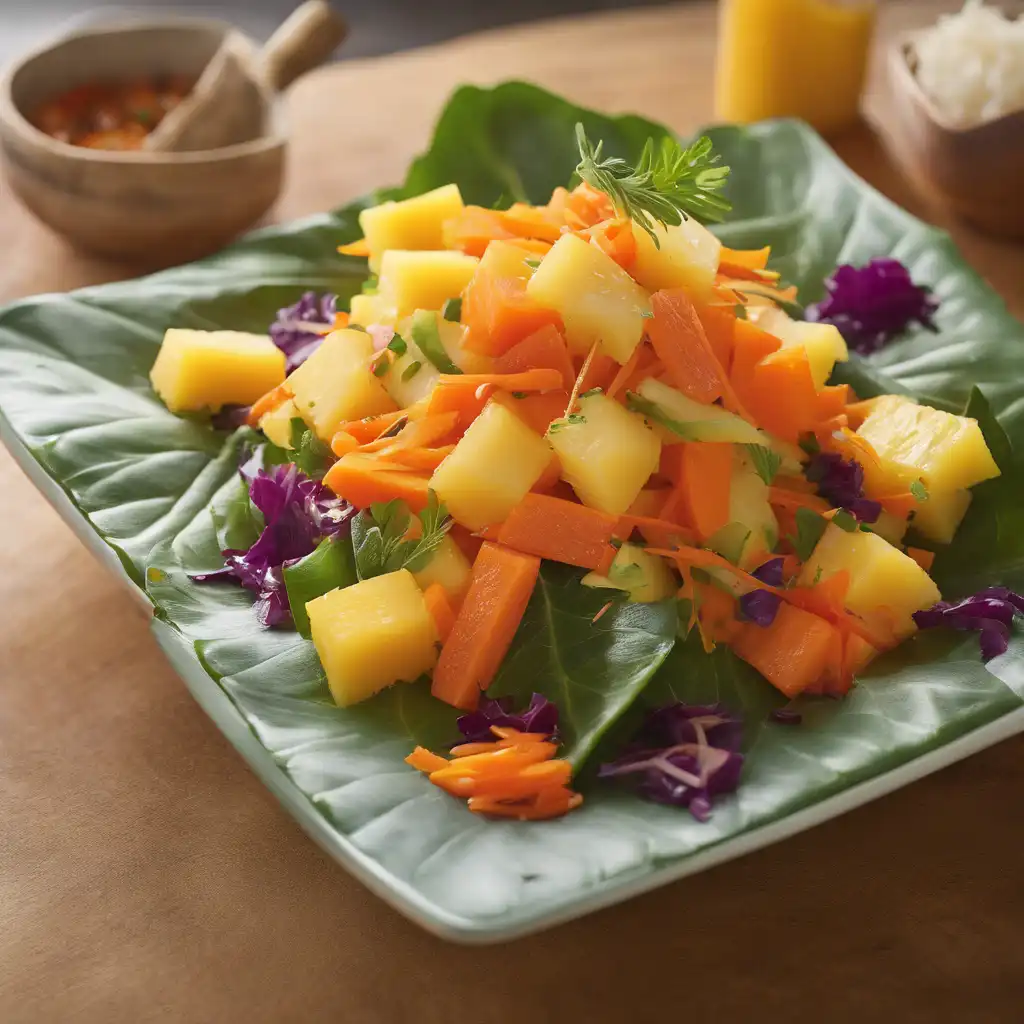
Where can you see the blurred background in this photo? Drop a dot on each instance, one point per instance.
(377, 26)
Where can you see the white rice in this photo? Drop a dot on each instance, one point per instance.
(971, 64)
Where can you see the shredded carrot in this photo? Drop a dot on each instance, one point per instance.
(440, 608)
(560, 531)
(720, 329)
(752, 259)
(417, 458)
(626, 371)
(580, 378)
(341, 320)
(527, 221)
(268, 403)
(584, 207)
(600, 374)
(701, 493)
(473, 229)
(427, 431)
(832, 401)
(537, 410)
(370, 428)
(342, 443)
(654, 530)
(364, 480)
(357, 248)
(925, 559)
(615, 238)
(540, 379)
(426, 761)
(795, 499)
(545, 348)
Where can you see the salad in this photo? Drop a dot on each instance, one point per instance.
(596, 382)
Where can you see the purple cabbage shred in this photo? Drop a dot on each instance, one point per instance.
(297, 514)
(540, 716)
(684, 755)
(990, 612)
(871, 305)
(299, 329)
(761, 606)
(841, 482)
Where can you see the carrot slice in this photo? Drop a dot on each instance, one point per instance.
(499, 591)
(472, 230)
(426, 761)
(540, 379)
(702, 492)
(538, 410)
(468, 544)
(720, 329)
(544, 349)
(268, 403)
(616, 239)
(793, 500)
(832, 400)
(560, 531)
(679, 340)
(436, 599)
(662, 532)
(924, 558)
(427, 431)
(527, 221)
(356, 248)
(752, 259)
(626, 371)
(550, 478)
(792, 653)
(364, 480)
(370, 428)
(416, 458)
(780, 395)
(342, 443)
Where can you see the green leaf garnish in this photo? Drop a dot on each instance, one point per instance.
(669, 182)
(308, 452)
(765, 461)
(845, 521)
(532, 262)
(919, 491)
(428, 340)
(397, 345)
(411, 370)
(378, 537)
(809, 528)
(452, 310)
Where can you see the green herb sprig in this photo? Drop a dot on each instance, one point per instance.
(379, 537)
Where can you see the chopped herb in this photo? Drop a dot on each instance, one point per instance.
(919, 491)
(845, 521)
(615, 543)
(817, 576)
(381, 365)
(556, 426)
(427, 338)
(766, 462)
(647, 314)
(370, 285)
(308, 452)
(396, 428)
(532, 262)
(740, 311)
(809, 528)
(411, 370)
(809, 444)
(518, 394)
(452, 310)
(378, 537)
(667, 185)
(397, 345)
(636, 403)
(575, 418)
(592, 391)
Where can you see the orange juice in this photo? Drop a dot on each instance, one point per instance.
(792, 58)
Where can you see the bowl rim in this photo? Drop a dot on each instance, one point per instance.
(12, 118)
(900, 54)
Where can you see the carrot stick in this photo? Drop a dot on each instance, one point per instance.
(795, 499)
(364, 480)
(580, 378)
(925, 559)
(832, 400)
(662, 532)
(499, 591)
(426, 761)
(720, 329)
(416, 458)
(440, 610)
(274, 398)
(626, 371)
(544, 349)
(472, 230)
(538, 410)
(427, 431)
(752, 259)
(780, 394)
(702, 492)
(342, 443)
(356, 248)
(370, 428)
(560, 531)
(540, 379)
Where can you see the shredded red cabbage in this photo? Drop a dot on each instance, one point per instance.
(841, 482)
(540, 716)
(873, 304)
(299, 329)
(685, 756)
(991, 612)
(761, 606)
(297, 514)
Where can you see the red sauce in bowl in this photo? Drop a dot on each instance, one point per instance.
(111, 115)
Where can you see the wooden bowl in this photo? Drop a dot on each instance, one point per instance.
(976, 172)
(157, 208)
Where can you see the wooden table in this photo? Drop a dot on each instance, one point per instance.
(146, 875)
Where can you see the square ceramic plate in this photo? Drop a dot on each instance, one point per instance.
(137, 484)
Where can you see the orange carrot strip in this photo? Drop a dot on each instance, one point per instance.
(436, 599)
(507, 735)
(751, 259)
(467, 749)
(600, 373)
(793, 652)
(720, 328)
(468, 544)
(550, 478)
(580, 378)
(702, 492)
(526, 782)
(832, 400)
(795, 499)
(426, 761)
(417, 458)
(370, 428)
(540, 379)
(342, 443)
(679, 340)
(560, 531)
(503, 761)
(625, 371)
(528, 221)
(781, 396)
(499, 590)
(900, 505)
(544, 349)
(363, 481)
(357, 248)
(662, 532)
(924, 558)
(538, 410)
(472, 230)
(423, 433)
(615, 238)
(268, 403)
(452, 395)
(549, 803)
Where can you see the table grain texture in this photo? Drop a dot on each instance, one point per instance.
(146, 875)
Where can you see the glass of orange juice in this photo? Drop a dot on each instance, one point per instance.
(793, 58)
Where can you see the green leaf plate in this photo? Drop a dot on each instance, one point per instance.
(137, 484)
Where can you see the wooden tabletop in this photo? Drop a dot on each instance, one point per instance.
(146, 875)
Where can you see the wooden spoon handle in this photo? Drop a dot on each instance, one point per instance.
(305, 40)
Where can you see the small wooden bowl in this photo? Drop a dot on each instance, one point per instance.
(976, 172)
(158, 208)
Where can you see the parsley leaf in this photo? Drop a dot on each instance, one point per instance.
(845, 521)
(452, 310)
(809, 528)
(308, 452)
(766, 462)
(919, 491)
(379, 537)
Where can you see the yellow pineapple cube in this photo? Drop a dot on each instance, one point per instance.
(940, 516)
(196, 370)
(698, 422)
(335, 384)
(915, 442)
(886, 585)
(687, 258)
(607, 453)
(411, 223)
(365, 310)
(749, 505)
(493, 466)
(596, 299)
(823, 343)
(372, 634)
(889, 527)
(277, 424)
(643, 576)
(411, 280)
(450, 568)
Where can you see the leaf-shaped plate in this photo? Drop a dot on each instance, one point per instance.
(136, 484)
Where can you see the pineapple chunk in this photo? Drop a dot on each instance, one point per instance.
(748, 504)
(687, 258)
(506, 259)
(823, 343)
(412, 375)
(493, 466)
(692, 421)
(644, 577)
(886, 586)
(335, 384)
(946, 452)
(889, 527)
(197, 370)
(410, 224)
(596, 299)
(365, 310)
(411, 280)
(607, 453)
(940, 516)
(277, 424)
(372, 634)
(449, 567)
